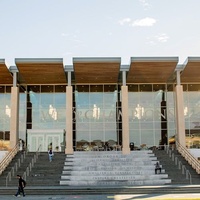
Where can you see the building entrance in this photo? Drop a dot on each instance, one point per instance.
(45, 139)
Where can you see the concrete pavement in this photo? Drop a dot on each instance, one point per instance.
(107, 197)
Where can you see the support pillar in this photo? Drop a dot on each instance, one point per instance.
(125, 121)
(180, 120)
(14, 120)
(69, 121)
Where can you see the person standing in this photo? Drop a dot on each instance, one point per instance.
(21, 186)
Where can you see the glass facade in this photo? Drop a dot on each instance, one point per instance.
(95, 111)
(148, 114)
(46, 107)
(192, 115)
(5, 114)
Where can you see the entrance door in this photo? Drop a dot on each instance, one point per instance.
(45, 139)
(54, 142)
(35, 142)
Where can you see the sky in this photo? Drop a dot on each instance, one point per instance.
(99, 28)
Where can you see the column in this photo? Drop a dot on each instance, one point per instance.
(125, 121)
(14, 120)
(180, 119)
(69, 116)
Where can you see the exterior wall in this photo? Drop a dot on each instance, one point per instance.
(185, 98)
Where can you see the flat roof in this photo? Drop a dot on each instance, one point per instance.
(5, 75)
(96, 70)
(41, 70)
(100, 70)
(191, 71)
(151, 69)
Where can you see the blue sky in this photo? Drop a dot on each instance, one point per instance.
(99, 28)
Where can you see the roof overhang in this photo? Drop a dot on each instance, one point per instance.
(5, 75)
(96, 70)
(151, 69)
(41, 70)
(191, 71)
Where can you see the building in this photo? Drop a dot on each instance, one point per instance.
(150, 102)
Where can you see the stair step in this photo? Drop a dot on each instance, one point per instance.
(115, 183)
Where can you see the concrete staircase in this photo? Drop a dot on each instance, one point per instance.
(111, 168)
(45, 173)
(175, 174)
(19, 171)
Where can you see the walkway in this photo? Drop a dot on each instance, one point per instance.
(168, 192)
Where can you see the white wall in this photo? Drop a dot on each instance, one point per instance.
(2, 154)
(195, 152)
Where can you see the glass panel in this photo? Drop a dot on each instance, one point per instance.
(96, 115)
(2, 89)
(193, 87)
(48, 109)
(133, 88)
(145, 115)
(60, 88)
(145, 88)
(5, 114)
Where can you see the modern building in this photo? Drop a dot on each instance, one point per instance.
(152, 101)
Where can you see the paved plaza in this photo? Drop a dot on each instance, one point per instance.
(195, 196)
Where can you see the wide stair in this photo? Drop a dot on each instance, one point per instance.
(45, 173)
(174, 171)
(112, 168)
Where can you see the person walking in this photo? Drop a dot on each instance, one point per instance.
(50, 152)
(21, 186)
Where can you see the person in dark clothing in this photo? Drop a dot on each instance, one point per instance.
(157, 167)
(21, 186)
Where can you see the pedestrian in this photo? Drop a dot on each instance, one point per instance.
(50, 152)
(21, 186)
(157, 167)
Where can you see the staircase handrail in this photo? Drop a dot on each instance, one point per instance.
(15, 167)
(31, 164)
(182, 167)
(8, 158)
(188, 157)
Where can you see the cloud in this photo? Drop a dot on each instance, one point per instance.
(124, 21)
(144, 22)
(145, 4)
(64, 34)
(162, 37)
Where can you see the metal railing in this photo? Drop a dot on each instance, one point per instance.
(178, 163)
(31, 164)
(189, 157)
(18, 163)
(15, 168)
(8, 158)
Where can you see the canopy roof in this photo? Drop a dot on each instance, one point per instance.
(151, 69)
(41, 70)
(92, 70)
(96, 70)
(191, 71)
(5, 75)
